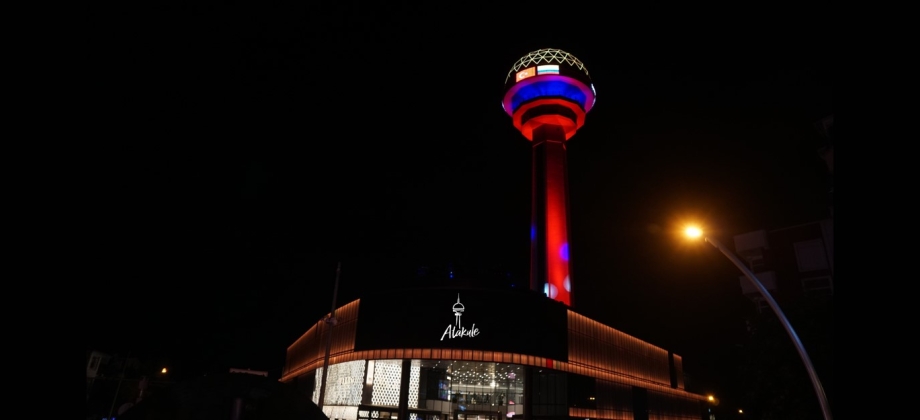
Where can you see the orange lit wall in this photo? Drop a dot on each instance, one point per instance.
(310, 349)
(595, 350)
(679, 367)
(599, 347)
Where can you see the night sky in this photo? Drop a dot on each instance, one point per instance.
(256, 146)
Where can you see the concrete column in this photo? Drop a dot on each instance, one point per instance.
(528, 393)
(404, 389)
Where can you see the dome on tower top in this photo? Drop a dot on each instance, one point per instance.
(547, 56)
(548, 86)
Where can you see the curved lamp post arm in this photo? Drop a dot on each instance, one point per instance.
(779, 314)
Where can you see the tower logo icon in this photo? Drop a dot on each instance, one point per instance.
(457, 330)
(458, 310)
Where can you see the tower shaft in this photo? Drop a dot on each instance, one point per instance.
(549, 251)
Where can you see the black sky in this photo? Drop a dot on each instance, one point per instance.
(258, 145)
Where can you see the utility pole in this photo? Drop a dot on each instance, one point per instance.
(124, 367)
(330, 322)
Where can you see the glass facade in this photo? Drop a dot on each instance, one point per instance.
(438, 390)
(479, 390)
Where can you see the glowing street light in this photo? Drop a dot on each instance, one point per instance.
(695, 232)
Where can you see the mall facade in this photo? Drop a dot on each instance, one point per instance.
(481, 354)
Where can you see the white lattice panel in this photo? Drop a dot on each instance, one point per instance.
(415, 371)
(340, 412)
(317, 380)
(344, 383)
(386, 383)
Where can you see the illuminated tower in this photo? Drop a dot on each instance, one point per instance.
(547, 94)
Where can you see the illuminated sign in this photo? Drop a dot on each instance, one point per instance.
(523, 74)
(429, 312)
(456, 329)
(548, 69)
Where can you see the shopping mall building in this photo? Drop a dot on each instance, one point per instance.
(465, 354)
(485, 354)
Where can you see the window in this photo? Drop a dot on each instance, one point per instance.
(811, 255)
(760, 303)
(756, 262)
(818, 286)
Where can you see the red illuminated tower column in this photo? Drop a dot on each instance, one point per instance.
(547, 94)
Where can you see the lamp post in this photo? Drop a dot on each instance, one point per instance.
(121, 378)
(819, 390)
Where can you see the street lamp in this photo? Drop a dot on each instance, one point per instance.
(694, 232)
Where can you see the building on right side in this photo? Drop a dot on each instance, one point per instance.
(794, 263)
